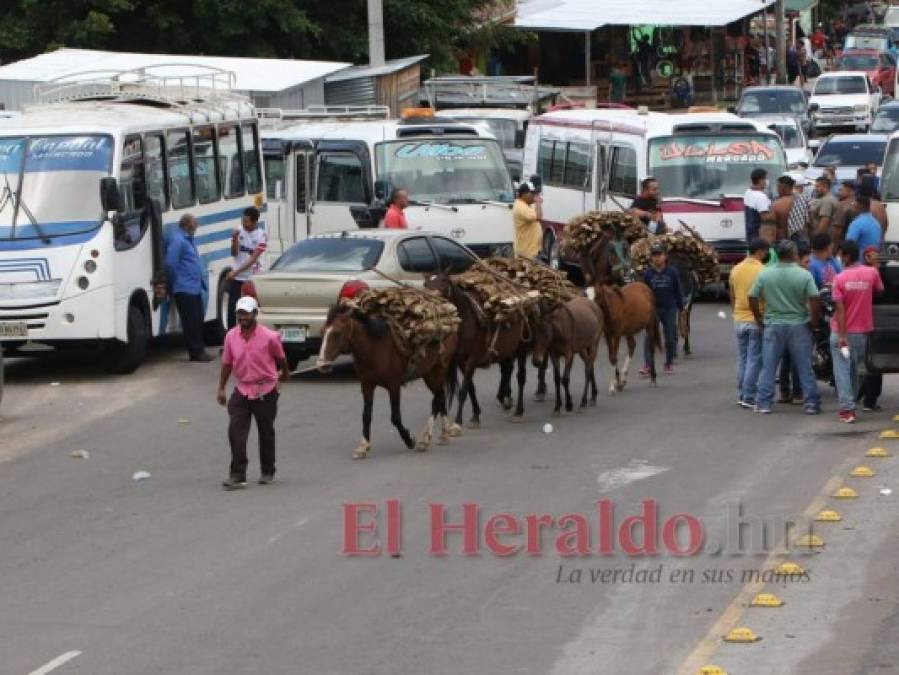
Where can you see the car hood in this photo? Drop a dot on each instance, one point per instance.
(839, 100)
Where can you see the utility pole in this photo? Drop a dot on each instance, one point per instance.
(375, 33)
(780, 37)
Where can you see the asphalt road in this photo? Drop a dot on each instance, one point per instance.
(101, 574)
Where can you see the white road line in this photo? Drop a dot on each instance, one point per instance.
(297, 524)
(636, 469)
(60, 660)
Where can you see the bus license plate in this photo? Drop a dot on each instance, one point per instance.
(13, 329)
(293, 334)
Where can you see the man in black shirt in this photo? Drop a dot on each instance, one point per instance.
(646, 206)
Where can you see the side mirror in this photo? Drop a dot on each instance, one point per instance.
(382, 189)
(110, 198)
(519, 138)
(813, 107)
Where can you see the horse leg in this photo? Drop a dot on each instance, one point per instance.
(504, 395)
(541, 383)
(368, 401)
(557, 382)
(588, 374)
(434, 382)
(688, 310)
(566, 380)
(467, 386)
(631, 346)
(612, 342)
(475, 422)
(521, 358)
(396, 416)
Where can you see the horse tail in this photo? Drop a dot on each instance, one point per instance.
(451, 382)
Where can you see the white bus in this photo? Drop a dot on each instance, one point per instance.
(596, 159)
(326, 176)
(91, 179)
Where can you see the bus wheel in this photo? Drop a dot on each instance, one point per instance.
(125, 357)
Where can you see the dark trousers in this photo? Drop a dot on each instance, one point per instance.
(871, 389)
(234, 288)
(240, 411)
(668, 319)
(789, 373)
(190, 309)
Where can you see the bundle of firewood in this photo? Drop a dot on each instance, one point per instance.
(497, 296)
(553, 286)
(416, 317)
(701, 257)
(584, 230)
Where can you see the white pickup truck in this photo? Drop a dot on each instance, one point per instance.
(844, 99)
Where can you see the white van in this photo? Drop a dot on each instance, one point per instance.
(507, 124)
(596, 159)
(328, 176)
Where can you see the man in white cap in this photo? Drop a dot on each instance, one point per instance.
(255, 355)
(527, 212)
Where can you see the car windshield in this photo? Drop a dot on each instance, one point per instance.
(826, 86)
(887, 120)
(330, 254)
(768, 102)
(788, 133)
(889, 179)
(857, 62)
(445, 171)
(504, 130)
(49, 185)
(880, 44)
(709, 167)
(850, 153)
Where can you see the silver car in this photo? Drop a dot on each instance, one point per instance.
(295, 295)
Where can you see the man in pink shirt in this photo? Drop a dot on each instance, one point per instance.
(853, 294)
(395, 218)
(254, 354)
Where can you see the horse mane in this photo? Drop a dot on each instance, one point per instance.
(374, 327)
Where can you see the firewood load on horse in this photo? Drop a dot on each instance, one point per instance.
(394, 335)
(598, 237)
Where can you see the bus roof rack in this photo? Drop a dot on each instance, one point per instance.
(190, 84)
(322, 113)
(462, 91)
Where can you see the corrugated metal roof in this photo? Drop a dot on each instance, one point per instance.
(252, 74)
(374, 71)
(588, 15)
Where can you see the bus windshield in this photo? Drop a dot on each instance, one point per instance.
(445, 171)
(711, 167)
(889, 179)
(49, 185)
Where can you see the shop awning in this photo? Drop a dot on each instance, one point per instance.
(588, 15)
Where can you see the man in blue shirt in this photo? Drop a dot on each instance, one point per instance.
(665, 285)
(186, 281)
(865, 229)
(823, 266)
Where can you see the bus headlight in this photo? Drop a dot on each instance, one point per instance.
(83, 283)
(90, 266)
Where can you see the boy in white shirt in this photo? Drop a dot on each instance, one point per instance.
(247, 246)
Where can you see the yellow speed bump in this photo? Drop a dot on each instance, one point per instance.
(809, 541)
(766, 600)
(861, 472)
(878, 452)
(741, 635)
(845, 493)
(889, 433)
(828, 516)
(712, 670)
(788, 569)
(896, 418)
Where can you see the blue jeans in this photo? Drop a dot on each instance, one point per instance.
(668, 319)
(845, 371)
(749, 358)
(797, 339)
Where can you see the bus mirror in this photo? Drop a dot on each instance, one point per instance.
(381, 189)
(109, 194)
(519, 138)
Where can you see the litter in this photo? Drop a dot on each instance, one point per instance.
(547, 428)
(140, 475)
(722, 315)
(54, 384)
(886, 492)
(80, 454)
(182, 421)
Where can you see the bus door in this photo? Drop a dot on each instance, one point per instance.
(303, 173)
(343, 187)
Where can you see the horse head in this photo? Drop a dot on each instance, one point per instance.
(440, 283)
(609, 261)
(336, 335)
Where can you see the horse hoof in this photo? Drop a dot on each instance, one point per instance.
(620, 387)
(454, 430)
(506, 403)
(474, 424)
(443, 439)
(422, 446)
(410, 443)
(361, 452)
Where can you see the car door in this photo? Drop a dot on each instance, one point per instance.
(452, 258)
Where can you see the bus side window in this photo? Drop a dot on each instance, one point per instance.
(623, 173)
(180, 178)
(204, 165)
(154, 160)
(133, 190)
(251, 155)
(301, 182)
(230, 161)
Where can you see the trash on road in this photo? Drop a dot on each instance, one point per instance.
(886, 492)
(54, 384)
(80, 454)
(547, 428)
(722, 315)
(140, 475)
(183, 421)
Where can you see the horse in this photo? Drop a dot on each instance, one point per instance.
(381, 362)
(575, 327)
(479, 345)
(689, 284)
(607, 261)
(628, 311)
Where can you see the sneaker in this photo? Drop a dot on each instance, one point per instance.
(847, 416)
(645, 371)
(762, 411)
(668, 370)
(813, 411)
(266, 479)
(234, 484)
(746, 404)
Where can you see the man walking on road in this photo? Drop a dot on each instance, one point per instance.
(256, 357)
(853, 295)
(247, 246)
(665, 285)
(187, 280)
(788, 292)
(747, 332)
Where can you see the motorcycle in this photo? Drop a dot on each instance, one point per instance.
(822, 361)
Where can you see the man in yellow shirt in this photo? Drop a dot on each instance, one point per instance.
(526, 216)
(748, 332)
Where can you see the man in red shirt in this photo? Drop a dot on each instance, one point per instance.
(853, 294)
(819, 39)
(254, 354)
(395, 218)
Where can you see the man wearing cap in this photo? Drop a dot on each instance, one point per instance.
(254, 354)
(526, 216)
(665, 285)
(790, 297)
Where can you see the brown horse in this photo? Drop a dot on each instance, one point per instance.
(573, 328)
(379, 362)
(607, 261)
(628, 311)
(480, 344)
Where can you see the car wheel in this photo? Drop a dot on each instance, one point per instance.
(125, 357)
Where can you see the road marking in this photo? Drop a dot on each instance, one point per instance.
(60, 660)
(297, 524)
(636, 469)
(731, 616)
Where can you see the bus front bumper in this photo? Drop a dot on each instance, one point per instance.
(86, 316)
